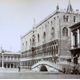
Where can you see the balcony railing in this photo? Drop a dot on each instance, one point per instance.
(75, 46)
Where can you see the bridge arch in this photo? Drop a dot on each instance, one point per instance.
(44, 65)
(43, 68)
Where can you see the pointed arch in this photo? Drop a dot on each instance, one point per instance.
(30, 41)
(38, 38)
(63, 17)
(52, 32)
(44, 36)
(26, 44)
(56, 49)
(33, 40)
(65, 31)
(67, 18)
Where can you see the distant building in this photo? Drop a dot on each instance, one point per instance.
(9, 59)
(75, 43)
(49, 38)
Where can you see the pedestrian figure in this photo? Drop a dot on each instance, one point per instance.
(64, 71)
(19, 68)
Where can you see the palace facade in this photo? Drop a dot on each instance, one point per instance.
(9, 59)
(49, 38)
(75, 44)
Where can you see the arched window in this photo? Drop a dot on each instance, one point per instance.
(26, 44)
(64, 18)
(33, 40)
(52, 32)
(65, 31)
(67, 18)
(44, 36)
(38, 38)
(30, 41)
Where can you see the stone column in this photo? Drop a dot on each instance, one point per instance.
(10, 58)
(72, 41)
(78, 36)
(6, 65)
(13, 65)
(2, 60)
(13, 58)
(10, 65)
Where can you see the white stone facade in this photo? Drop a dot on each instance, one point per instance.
(51, 33)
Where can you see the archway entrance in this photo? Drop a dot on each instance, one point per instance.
(43, 68)
(11, 65)
(5, 65)
(8, 65)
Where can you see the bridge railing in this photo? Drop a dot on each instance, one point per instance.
(56, 66)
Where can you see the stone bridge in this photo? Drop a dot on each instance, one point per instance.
(46, 66)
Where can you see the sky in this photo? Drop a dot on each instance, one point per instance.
(17, 18)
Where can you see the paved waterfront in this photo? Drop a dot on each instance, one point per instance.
(14, 74)
(30, 75)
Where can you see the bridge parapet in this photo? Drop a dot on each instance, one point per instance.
(49, 65)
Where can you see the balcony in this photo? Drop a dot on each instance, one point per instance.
(75, 46)
(11, 59)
